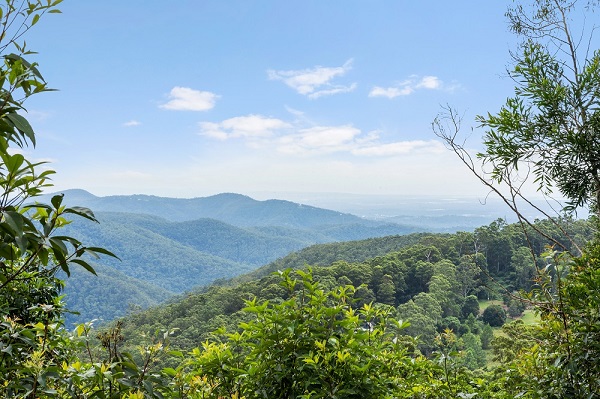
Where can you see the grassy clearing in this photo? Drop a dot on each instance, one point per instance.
(483, 304)
(529, 317)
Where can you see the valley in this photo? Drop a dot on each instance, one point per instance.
(168, 246)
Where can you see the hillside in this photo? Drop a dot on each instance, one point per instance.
(108, 295)
(328, 253)
(198, 245)
(428, 278)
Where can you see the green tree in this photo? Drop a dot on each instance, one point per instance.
(474, 356)
(467, 274)
(470, 306)
(494, 315)
(386, 291)
(523, 263)
(442, 289)
(312, 345)
(551, 123)
(486, 336)
(423, 312)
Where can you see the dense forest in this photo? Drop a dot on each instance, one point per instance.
(200, 250)
(435, 281)
(412, 316)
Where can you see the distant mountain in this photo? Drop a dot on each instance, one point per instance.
(169, 246)
(235, 209)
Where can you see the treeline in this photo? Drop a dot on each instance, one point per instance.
(406, 324)
(432, 280)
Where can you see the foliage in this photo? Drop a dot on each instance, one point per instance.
(196, 315)
(315, 345)
(572, 331)
(470, 306)
(311, 345)
(494, 315)
(548, 132)
(551, 123)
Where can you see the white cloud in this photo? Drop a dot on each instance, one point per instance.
(333, 90)
(429, 82)
(132, 122)
(401, 148)
(408, 87)
(295, 139)
(390, 92)
(295, 112)
(319, 139)
(314, 82)
(250, 126)
(186, 99)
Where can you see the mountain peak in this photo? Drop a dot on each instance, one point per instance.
(74, 194)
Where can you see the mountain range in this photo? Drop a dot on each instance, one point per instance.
(168, 246)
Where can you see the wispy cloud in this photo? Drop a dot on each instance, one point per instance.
(408, 87)
(400, 148)
(249, 126)
(296, 139)
(319, 139)
(186, 99)
(390, 92)
(315, 82)
(132, 122)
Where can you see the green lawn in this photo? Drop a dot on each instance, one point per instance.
(483, 304)
(529, 317)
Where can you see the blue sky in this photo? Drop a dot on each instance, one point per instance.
(191, 98)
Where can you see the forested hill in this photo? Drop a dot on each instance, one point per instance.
(431, 279)
(173, 256)
(328, 253)
(234, 209)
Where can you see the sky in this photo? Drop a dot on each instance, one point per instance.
(189, 98)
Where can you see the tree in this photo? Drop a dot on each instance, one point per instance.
(467, 273)
(470, 306)
(523, 263)
(33, 345)
(551, 125)
(474, 356)
(423, 312)
(386, 291)
(494, 315)
(547, 133)
(311, 345)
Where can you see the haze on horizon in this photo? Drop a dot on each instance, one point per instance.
(193, 98)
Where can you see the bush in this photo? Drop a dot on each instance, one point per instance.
(494, 315)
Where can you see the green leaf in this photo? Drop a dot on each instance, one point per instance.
(65, 267)
(85, 265)
(94, 250)
(13, 162)
(22, 125)
(81, 211)
(14, 220)
(22, 243)
(43, 256)
(57, 200)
